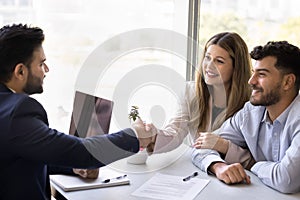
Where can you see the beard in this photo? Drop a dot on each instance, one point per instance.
(267, 99)
(33, 85)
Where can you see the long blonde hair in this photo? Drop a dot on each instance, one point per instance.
(239, 91)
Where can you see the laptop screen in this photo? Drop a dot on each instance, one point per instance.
(91, 115)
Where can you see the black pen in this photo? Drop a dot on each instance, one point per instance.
(191, 176)
(115, 178)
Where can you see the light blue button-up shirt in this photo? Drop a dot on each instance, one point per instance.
(275, 146)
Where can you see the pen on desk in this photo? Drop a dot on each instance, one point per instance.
(191, 176)
(115, 178)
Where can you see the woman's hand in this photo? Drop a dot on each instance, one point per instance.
(208, 140)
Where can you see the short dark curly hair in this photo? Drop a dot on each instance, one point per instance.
(17, 44)
(287, 55)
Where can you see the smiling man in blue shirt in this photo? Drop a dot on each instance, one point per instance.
(268, 126)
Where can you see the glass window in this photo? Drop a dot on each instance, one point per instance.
(256, 21)
(76, 30)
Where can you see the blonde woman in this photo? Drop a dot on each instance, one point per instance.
(220, 90)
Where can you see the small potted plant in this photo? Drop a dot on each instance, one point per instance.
(141, 156)
(134, 113)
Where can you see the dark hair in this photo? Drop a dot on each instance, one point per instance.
(287, 55)
(17, 44)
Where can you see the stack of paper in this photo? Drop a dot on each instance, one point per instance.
(165, 187)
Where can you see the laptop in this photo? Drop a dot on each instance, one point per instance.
(91, 115)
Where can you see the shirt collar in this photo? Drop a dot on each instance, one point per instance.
(283, 116)
(266, 118)
(4, 88)
(11, 90)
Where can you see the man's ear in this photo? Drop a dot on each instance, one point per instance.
(289, 81)
(20, 71)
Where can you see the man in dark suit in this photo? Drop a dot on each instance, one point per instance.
(29, 149)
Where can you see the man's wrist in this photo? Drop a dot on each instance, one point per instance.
(214, 166)
(150, 146)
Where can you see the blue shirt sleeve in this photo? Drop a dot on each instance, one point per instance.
(284, 174)
(203, 158)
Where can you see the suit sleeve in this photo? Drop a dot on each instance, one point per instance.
(52, 169)
(31, 138)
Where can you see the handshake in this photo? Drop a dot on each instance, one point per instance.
(146, 134)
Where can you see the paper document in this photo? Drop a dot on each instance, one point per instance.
(165, 187)
(107, 178)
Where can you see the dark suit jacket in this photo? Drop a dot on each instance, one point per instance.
(28, 147)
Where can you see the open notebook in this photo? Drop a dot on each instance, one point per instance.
(107, 178)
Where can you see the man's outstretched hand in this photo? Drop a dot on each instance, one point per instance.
(144, 132)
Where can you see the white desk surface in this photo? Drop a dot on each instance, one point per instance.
(177, 162)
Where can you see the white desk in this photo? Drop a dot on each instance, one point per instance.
(177, 162)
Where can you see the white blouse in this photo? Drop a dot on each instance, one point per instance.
(183, 123)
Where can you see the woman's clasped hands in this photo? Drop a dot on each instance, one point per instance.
(210, 140)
